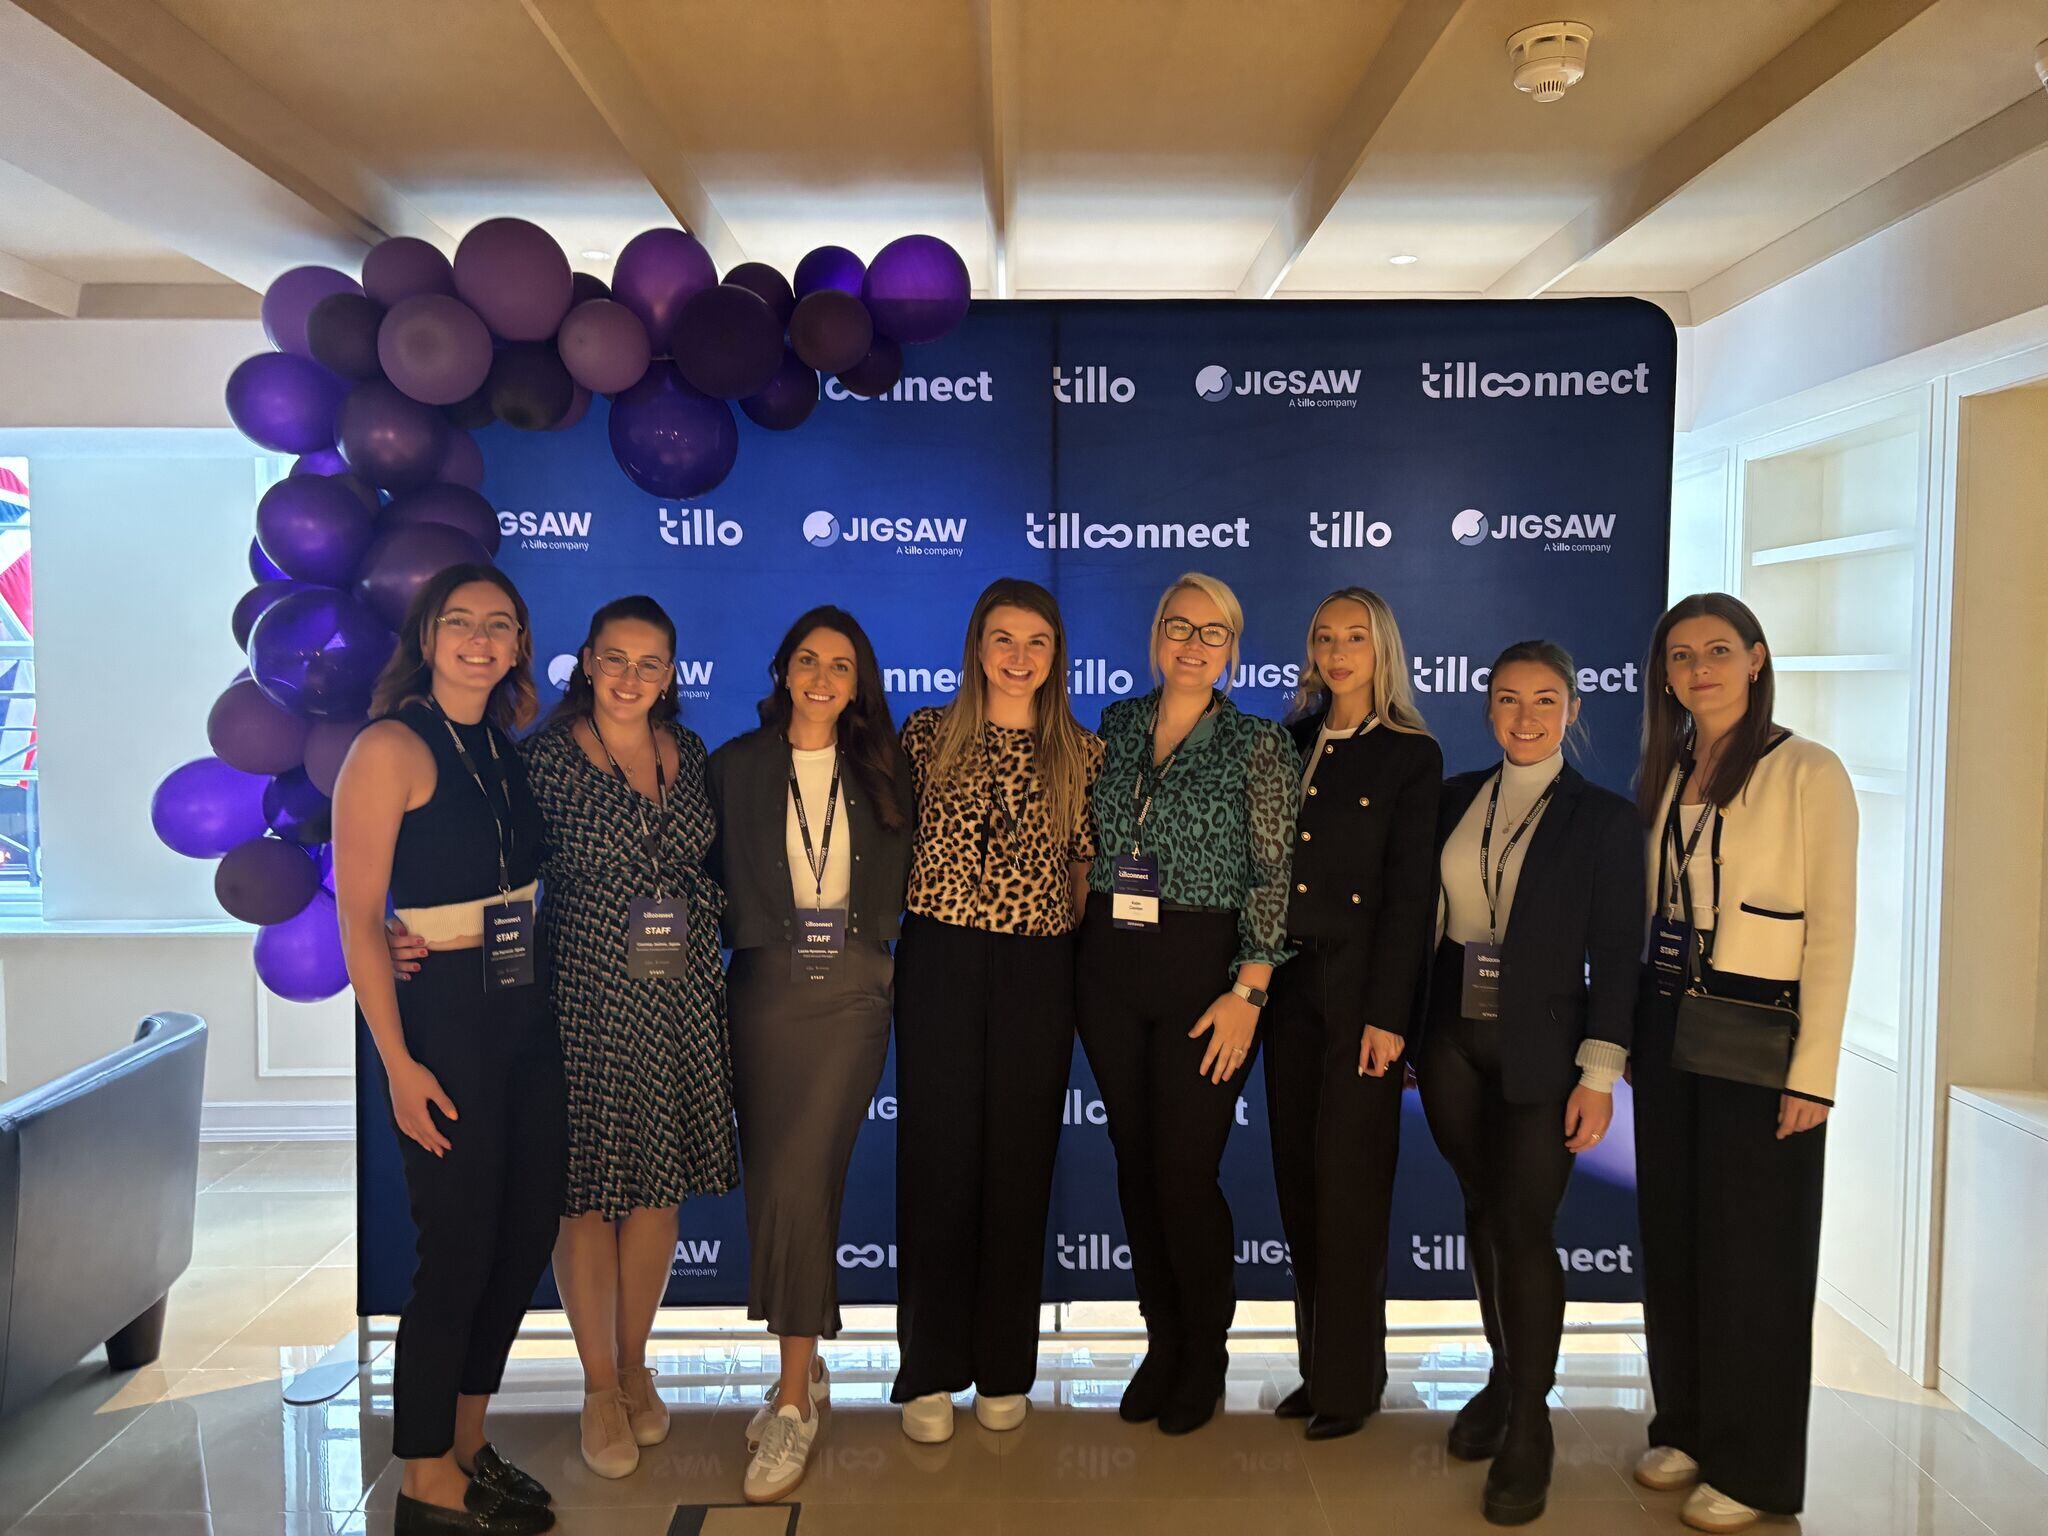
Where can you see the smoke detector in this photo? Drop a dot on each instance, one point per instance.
(1549, 58)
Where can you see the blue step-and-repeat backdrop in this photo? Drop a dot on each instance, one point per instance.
(1497, 470)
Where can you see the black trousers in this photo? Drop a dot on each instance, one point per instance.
(984, 1043)
(1731, 1255)
(488, 1209)
(1336, 1136)
(1512, 1167)
(1141, 991)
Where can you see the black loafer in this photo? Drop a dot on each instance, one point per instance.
(1294, 1405)
(1518, 1482)
(486, 1513)
(1335, 1426)
(494, 1472)
(1482, 1424)
(1151, 1386)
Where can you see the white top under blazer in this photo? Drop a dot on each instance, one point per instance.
(1788, 893)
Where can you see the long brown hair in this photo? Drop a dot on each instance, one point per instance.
(1668, 726)
(409, 674)
(579, 700)
(1553, 657)
(1055, 733)
(1393, 694)
(866, 730)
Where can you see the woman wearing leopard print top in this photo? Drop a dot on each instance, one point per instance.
(985, 1009)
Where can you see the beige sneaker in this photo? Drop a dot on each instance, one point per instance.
(1706, 1508)
(608, 1446)
(1665, 1468)
(645, 1410)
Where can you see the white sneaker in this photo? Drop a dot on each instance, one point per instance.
(1706, 1508)
(821, 1397)
(607, 1441)
(645, 1411)
(929, 1419)
(1665, 1467)
(779, 1461)
(1000, 1413)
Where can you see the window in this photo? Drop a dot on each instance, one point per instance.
(21, 855)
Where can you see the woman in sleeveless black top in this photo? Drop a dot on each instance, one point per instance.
(432, 809)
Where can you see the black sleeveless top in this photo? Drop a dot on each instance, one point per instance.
(448, 848)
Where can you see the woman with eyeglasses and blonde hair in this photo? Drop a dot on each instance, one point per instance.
(1185, 926)
(985, 1009)
(1361, 900)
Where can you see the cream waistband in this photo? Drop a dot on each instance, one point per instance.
(457, 921)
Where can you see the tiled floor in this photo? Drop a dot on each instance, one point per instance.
(201, 1442)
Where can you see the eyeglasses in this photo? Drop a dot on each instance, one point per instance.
(647, 669)
(496, 629)
(1214, 636)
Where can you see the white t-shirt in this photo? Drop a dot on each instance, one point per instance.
(814, 780)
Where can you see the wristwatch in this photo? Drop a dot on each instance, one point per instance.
(1256, 996)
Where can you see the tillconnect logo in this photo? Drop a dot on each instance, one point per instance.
(1464, 381)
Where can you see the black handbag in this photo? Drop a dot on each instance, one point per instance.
(1727, 1037)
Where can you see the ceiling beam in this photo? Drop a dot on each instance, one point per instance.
(1841, 37)
(598, 65)
(1336, 161)
(996, 33)
(48, 292)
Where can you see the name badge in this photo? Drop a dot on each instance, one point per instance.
(508, 945)
(657, 939)
(1483, 972)
(1134, 891)
(820, 936)
(1669, 937)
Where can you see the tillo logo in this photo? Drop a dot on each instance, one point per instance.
(1091, 385)
(698, 526)
(1091, 1250)
(1351, 529)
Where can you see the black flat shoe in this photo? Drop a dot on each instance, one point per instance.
(1335, 1426)
(1294, 1405)
(1482, 1424)
(494, 1472)
(1518, 1482)
(1151, 1386)
(486, 1513)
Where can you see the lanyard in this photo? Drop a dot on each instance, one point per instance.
(650, 833)
(1152, 777)
(817, 860)
(504, 786)
(1500, 872)
(1670, 891)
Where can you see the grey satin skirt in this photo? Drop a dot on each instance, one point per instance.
(807, 1057)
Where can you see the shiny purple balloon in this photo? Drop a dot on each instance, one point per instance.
(296, 810)
(829, 266)
(400, 562)
(284, 402)
(434, 348)
(403, 266)
(727, 342)
(252, 603)
(513, 274)
(313, 529)
(530, 389)
(670, 439)
(604, 346)
(917, 289)
(322, 461)
(203, 808)
(457, 506)
(579, 407)
(300, 959)
(462, 462)
(390, 439)
(249, 730)
(261, 566)
(766, 284)
(288, 304)
(831, 330)
(265, 880)
(788, 400)
(657, 271)
(317, 652)
(341, 333)
(877, 373)
(327, 745)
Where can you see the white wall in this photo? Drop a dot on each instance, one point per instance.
(120, 373)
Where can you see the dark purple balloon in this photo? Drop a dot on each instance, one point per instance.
(457, 506)
(341, 334)
(203, 808)
(583, 288)
(261, 566)
(788, 400)
(530, 389)
(284, 402)
(296, 810)
(766, 284)
(248, 730)
(604, 346)
(288, 304)
(327, 745)
(831, 330)
(917, 289)
(727, 342)
(579, 407)
(877, 373)
(462, 462)
(434, 348)
(300, 959)
(657, 271)
(473, 413)
(670, 439)
(390, 439)
(265, 881)
(359, 488)
(829, 266)
(313, 529)
(322, 461)
(513, 274)
(402, 266)
(400, 562)
(317, 652)
(252, 603)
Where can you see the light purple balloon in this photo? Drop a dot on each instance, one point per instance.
(318, 652)
(204, 807)
(434, 348)
(513, 274)
(829, 266)
(313, 529)
(604, 346)
(249, 730)
(669, 439)
(462, 462)
(389, 438)
(788, 400)
(403, 266)
(655, 274)
(266, 880)
(917, 289)
(300, 959)
(456, 506)
(284, 402)
(290, 299)
(327, 745)
(401, 561)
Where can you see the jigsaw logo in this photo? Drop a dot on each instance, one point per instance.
(1328, 388)
(917, 536)
(556, 532)
(696, 1257)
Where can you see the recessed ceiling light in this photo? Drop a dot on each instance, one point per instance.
(1403, 260)
(597, 255)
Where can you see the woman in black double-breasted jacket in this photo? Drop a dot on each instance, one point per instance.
(1358, 918)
